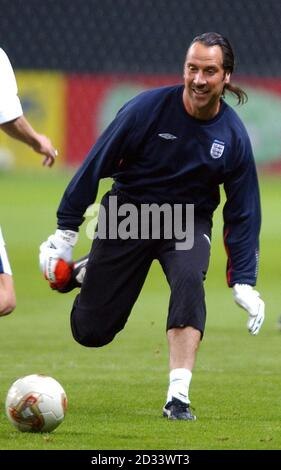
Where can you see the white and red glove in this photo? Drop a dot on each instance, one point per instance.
(55, 257)
(249, 299)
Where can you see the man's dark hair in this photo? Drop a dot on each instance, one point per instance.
(216, 39)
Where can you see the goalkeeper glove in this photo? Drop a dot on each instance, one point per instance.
(55, 256)
(249, 299)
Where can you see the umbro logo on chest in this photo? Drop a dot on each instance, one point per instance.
(167, 136)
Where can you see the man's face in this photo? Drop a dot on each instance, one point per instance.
(204, 80)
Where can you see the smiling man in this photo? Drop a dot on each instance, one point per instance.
(205, 79)
(168, 146)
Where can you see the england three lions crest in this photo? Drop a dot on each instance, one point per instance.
(217, 149)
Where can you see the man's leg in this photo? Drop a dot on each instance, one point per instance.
(116, 271)
(7, 294)
(183, 345)
(7, 291)
(185, 271)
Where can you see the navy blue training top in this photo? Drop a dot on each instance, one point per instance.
(157, 153)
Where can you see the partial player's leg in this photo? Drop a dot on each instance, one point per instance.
(7, 291)
(7, 294)
(116, 271)
(185, 271)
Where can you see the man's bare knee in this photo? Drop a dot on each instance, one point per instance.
(7, 301)
(7, 305)
(7, 295)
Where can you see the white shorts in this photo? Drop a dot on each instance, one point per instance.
(5, 267)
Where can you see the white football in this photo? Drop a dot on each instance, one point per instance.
(36, 403)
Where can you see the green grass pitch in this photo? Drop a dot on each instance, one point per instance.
(116, 393)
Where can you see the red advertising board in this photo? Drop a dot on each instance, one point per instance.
(92, 101)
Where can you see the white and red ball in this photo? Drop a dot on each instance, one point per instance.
(36, 403)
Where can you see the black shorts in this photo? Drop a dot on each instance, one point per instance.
(115, 275)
